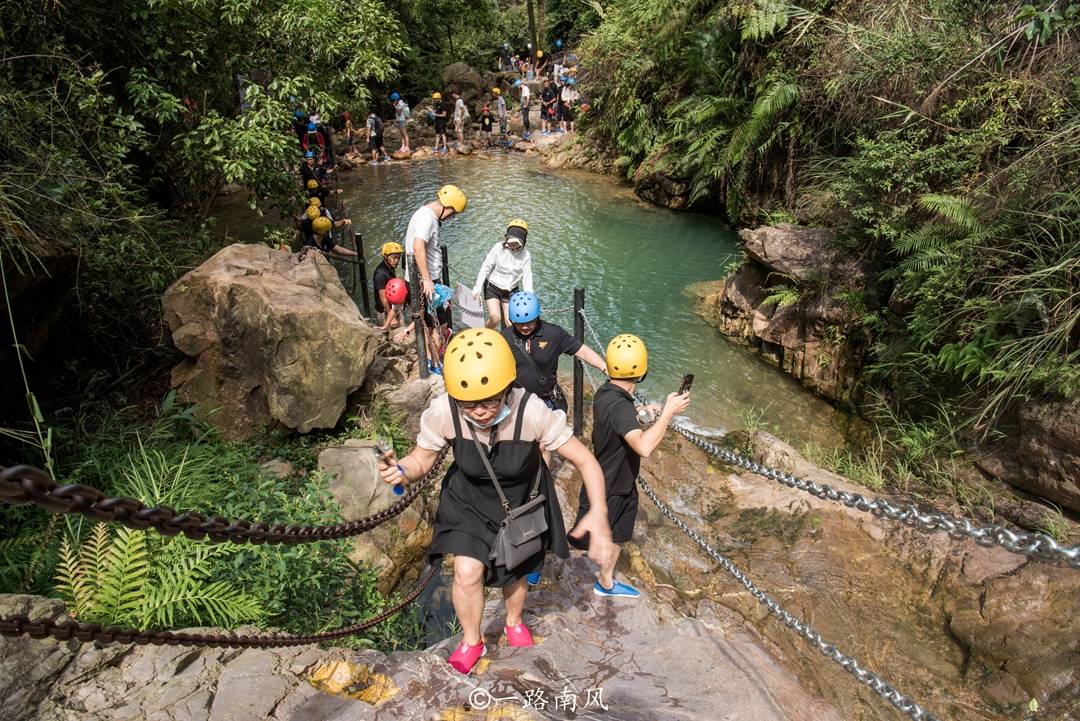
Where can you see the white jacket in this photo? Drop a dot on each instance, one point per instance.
(505, 269)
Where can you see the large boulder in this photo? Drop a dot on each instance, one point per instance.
(818, 339)
(1046, 459)
(269, 339)
(463, 79)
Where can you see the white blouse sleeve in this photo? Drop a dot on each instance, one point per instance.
(486, 268)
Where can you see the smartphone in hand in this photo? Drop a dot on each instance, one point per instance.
(687, 381)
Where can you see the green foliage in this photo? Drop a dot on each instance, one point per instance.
(939, 138)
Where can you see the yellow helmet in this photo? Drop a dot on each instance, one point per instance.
(626, 357)
(539, 53)
(314, 200)
(391, 248)
(321, 225)
(517, 223)
(495, 91)
(478, 364)
(313, 212)
(452, 197)
(436, 95)
(312, 184)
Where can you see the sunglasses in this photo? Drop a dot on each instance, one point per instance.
(488, 405)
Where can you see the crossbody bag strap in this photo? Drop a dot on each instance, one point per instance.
(489, 469)
(531, 361)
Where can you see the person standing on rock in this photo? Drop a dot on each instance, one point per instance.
(461, 116)
(375, 137)
(619, 444)
(524, 107)
(423, 252)
(438, 109)
(401, 115)
(549, 98)
(500, 111)
(487, 121)
(496, 433)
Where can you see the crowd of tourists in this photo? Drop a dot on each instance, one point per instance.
(503, 413)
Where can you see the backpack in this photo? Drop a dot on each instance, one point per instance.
(408, 111)
(377, 126)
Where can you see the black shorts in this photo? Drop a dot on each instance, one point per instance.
(494, 292)
(622, 513)
(440, 126)
(375, 143)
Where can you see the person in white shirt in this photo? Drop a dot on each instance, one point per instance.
(422, 251)
(506, 265)
(401, 115)
(524, 106)
(500, 111)
(461, 114)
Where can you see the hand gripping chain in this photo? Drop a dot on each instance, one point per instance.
(1035, 545)
(25, 484)
(849, 664)
(72, 630)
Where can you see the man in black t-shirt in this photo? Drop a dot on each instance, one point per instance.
(549, 96)
(619, 444)
(537, 347)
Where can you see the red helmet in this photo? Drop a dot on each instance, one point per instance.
(396, 291)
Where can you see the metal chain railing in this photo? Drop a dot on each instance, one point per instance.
(881, 687)
(21, 625)
(1034, 545)
(24, 484)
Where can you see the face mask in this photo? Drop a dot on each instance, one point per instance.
(495, 421)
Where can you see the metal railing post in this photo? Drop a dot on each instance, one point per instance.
(446, 282)
(362, 265)
(579, 369)
(419, 329)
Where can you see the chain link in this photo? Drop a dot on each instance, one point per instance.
(24, 484)
(1035, 545)
(592, 331)
(21, 625)
(881, 687)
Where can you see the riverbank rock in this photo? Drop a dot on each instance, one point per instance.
(797, 301)
(270, 341)
(463, 79)
(969, 632)
(1045, 459)
(660, 187)
(395, 549)
(401, 154)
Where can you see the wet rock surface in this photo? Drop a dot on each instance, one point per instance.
(969, 632)
(270, 340)
(636, 658)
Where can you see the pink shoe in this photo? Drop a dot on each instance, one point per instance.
(519, 635)
(465, 657)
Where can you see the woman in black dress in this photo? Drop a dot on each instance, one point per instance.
(510, 425)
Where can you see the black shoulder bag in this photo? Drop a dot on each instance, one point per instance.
(556, 391)
(519, 536)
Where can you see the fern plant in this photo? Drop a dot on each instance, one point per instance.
(124, 579)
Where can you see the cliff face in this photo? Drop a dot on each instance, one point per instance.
(795, 300)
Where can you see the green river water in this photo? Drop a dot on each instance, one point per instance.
(633, 259)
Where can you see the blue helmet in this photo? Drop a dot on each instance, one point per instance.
(298, 114)
(395, 96)
(558, 43)
(312, 127)
(309, 154)
(517, 82)
(524, 307)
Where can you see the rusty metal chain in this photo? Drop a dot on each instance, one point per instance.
(21, 625)
(25, 484)
(881, 687)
